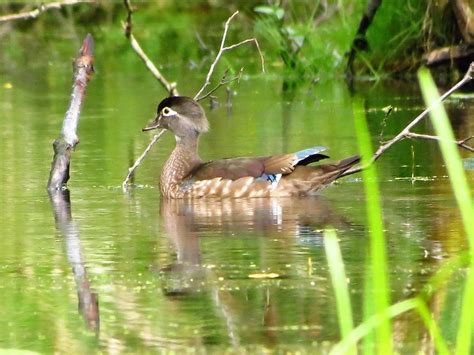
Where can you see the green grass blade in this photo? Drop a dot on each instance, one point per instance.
(450, 152)
(378, 258)
(464, 335)
(462, 193)
(430, 323)
(444, 273)
(372, 323)
(368, 343)
(338, 277)
(366, 327)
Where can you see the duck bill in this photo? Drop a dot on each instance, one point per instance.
(154, 124)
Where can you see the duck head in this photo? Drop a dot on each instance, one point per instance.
(181, 115)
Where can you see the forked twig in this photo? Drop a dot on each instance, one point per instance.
(42, 8)
(223, 49)
(461, 143)
(406, 133)
(222, 82)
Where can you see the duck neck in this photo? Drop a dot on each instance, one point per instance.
(181, 162)
(188, 142)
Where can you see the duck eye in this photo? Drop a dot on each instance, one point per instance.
(166, 111)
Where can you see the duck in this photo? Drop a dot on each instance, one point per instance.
(186, 176)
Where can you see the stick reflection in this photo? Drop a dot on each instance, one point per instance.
(88, 304)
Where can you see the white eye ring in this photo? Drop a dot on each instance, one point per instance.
(167, 111)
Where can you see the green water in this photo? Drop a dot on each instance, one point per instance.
(127, 272)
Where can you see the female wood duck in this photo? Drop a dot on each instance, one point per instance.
(185, 175)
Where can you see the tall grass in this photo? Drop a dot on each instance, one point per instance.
(377, 272)
(376, 303)
(450, 153)
(463, 195)
(338, 278)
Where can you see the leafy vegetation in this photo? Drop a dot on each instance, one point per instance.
(307, 39)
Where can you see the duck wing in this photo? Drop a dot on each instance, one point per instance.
(285, 164)
(231, 169)
(256, 167)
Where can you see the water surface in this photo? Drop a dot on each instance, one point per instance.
(102, 270)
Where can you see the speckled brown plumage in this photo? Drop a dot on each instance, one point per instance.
(185, 175)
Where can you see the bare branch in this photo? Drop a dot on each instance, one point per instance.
(137, 163)
(170, 87)
(405, 133)
(42, 8)
(223, 49)
(222, 82)
(250, 40)
(466, 139)
(461, 143)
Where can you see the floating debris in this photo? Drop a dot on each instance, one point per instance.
(263, 275)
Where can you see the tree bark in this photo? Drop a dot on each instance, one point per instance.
(360, 42)
(448, 54)
(464, 13)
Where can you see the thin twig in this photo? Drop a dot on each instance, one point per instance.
(132, 169)
(222, 82)
(42, 8)
(127, 26)
(461, 143)
(466, 139)
(223, 49)
(201, 42)
(406, 131)
(388, 111)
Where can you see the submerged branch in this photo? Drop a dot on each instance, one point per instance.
(65, 143)
(42, 8)
(406, 133)
(137, 163)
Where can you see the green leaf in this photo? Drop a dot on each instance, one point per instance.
(276, 11)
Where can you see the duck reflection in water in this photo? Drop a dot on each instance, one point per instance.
(184, 221)
(294, 222)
